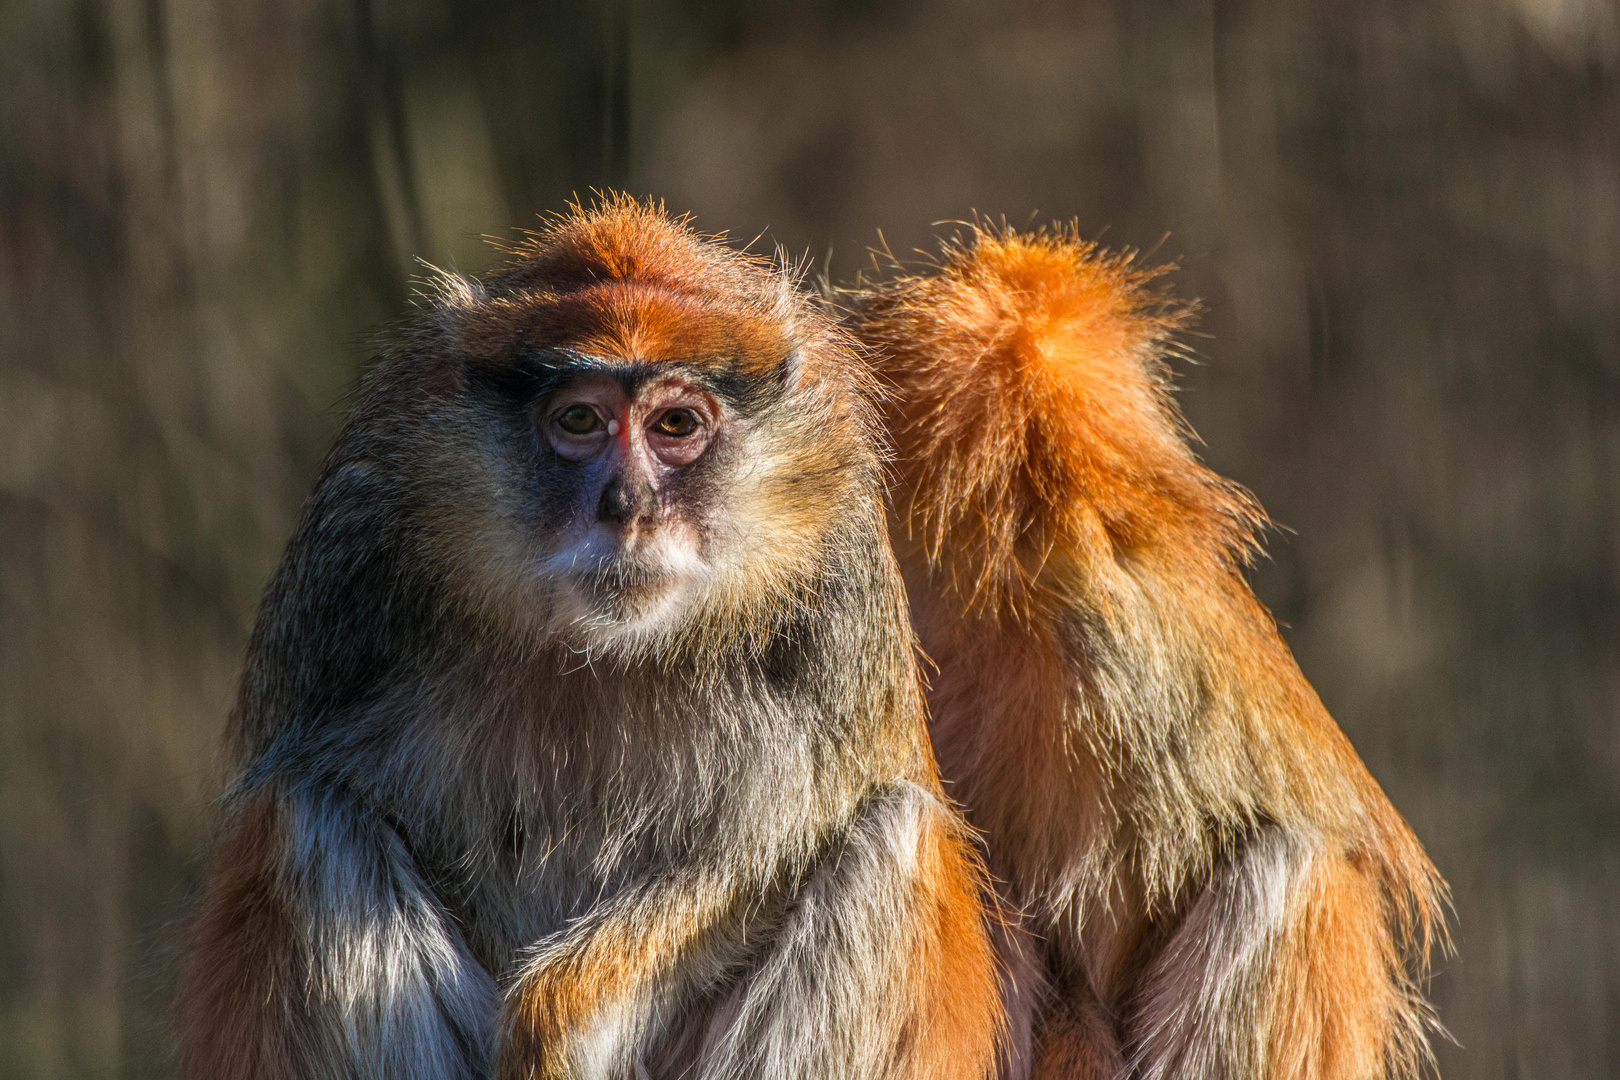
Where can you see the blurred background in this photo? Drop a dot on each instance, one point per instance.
(1402, 219)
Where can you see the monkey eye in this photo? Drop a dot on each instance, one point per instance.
(579, 420)
(676, 423)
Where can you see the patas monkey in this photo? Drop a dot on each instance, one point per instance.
(1210, 884)
(580, 733)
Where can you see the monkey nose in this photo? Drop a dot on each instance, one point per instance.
(625, 501)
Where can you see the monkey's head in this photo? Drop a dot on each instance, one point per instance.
(632, 430)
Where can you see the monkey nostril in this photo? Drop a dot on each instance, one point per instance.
(614, 504)
(624, 502)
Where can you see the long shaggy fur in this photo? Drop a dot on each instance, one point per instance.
(479, 828)
(1215, 885)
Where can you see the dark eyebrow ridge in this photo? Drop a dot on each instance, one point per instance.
(546, 369)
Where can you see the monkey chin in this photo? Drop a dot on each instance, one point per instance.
(628, 596)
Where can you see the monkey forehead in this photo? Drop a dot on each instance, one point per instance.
(635, 322)
(652, 323)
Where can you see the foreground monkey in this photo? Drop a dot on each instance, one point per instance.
(581, 734)
(1211, 885)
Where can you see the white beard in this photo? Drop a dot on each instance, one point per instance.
(635, 593)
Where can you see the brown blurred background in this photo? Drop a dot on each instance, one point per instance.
(1403, 219)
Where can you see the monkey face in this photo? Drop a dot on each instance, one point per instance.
(612, 502)
(631, 434)
(628, 458)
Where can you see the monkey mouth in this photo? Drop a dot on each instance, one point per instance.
(626, 587)
(626, 579)
(609, 580)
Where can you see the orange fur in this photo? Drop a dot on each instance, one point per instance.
(626, 280)
(952, 965)
(231, 991)
(1078, 1042)
(1113, 705)
(1033, 416)
(1333, 949)
(548, 1008)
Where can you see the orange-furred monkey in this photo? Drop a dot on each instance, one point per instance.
(581, 733)
(1209, 884)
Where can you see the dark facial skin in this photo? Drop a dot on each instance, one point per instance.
(635, 453)
(632, 445)
(667, 424)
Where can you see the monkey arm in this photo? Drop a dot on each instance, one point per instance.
(583, 996)
(320, 952)
(879, 967)
(1298, 899)
(874, 969)
(1281, 967)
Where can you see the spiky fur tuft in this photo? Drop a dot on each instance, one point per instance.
(1035, 413)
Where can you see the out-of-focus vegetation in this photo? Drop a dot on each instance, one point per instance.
(1403, 219)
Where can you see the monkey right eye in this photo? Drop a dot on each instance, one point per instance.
(579, 420)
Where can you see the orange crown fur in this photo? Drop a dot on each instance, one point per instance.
(623, 278)
(1034, 414)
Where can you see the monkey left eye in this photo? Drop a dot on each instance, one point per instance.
(677, 423)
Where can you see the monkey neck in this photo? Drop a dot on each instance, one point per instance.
(775, 700)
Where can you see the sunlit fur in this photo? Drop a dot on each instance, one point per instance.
(1211, 884)
(512, 798)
